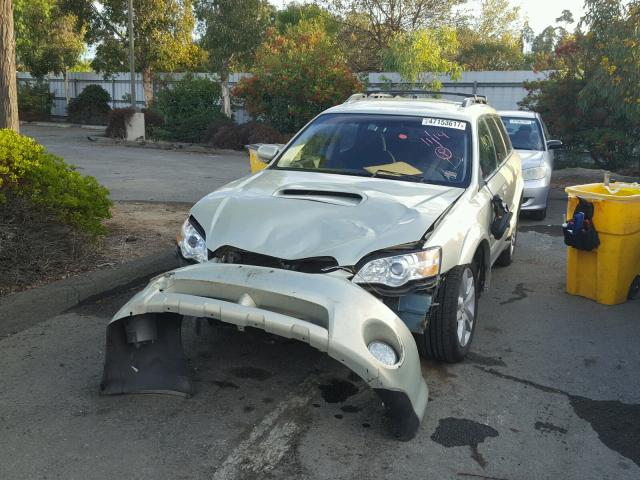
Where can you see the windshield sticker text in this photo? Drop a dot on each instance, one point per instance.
(444, 123)
(432, 140)
(516, 121)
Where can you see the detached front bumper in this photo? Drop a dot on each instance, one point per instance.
(144, 349)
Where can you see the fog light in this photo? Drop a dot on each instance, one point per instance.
(383, 352)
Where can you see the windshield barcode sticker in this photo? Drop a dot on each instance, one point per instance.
(444, 123)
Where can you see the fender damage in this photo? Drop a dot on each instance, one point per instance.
(144, 347)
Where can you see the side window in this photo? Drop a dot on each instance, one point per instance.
(498, 140)
(505, 135)
(488, 160)
(544, 129)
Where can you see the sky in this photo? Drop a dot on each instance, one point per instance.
(540, 13)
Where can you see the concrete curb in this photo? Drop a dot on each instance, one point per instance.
(25, 309)
(175, 146)
(65, 125)
(156, 144)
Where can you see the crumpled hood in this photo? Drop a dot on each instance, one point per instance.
(531, 158)
(294, 215)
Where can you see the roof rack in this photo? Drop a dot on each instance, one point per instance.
(469, 98)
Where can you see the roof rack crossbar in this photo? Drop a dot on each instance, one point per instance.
(469, 98)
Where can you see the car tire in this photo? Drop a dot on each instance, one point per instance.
(449, 334)
(538, 214)
(506, 257)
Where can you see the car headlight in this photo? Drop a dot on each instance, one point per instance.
(192, 245)
(535, 173)
(397, 270)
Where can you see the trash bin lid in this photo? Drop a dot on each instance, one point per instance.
(616, 191)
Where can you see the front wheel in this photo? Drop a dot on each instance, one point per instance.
(452, 320)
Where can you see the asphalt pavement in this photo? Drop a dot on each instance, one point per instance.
(142, 174)
(550, 389)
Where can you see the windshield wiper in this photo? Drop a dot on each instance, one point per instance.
(403, 176)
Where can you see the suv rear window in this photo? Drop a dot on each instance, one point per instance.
(427, 149)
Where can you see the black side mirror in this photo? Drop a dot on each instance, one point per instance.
(554, 144)
(501, 217)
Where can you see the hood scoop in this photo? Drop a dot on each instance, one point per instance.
(324, 196)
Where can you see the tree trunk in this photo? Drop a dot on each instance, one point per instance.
(65, 77)
(8, 87)
(226, 95)
(147, 85)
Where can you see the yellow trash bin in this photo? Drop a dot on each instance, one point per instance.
(607, 273)
(254, 162)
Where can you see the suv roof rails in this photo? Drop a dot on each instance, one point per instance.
(469, 98)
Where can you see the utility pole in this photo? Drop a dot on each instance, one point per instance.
(135, 124)
(132, 60)
(8, 87)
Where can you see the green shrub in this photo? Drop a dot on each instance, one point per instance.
(27, 170)
(262, 133)
(34, 101)
(118, 118)
(232, 136)
(188, 107)
(117, 126)
(152, 122)
(91, 106)
(214, 127)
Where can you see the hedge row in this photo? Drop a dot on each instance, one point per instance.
(27, 170)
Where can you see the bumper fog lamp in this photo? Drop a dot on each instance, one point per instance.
(383, 352)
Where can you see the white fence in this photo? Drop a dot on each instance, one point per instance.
(503, 89)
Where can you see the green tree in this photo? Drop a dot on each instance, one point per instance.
(493, 40)
(592, 98)
(231, 32)
(296, 76)
(424, 52)
(369, 26)
(8, 87)
(543, 45)
(162, 37)
(614, 72)
(296, 12)
(48, 39)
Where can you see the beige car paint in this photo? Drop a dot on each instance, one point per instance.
(390, 213)
(328, 311)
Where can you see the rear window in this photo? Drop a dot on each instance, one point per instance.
(426, 149)
(525, 133)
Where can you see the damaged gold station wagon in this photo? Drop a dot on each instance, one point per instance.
(369, 236)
